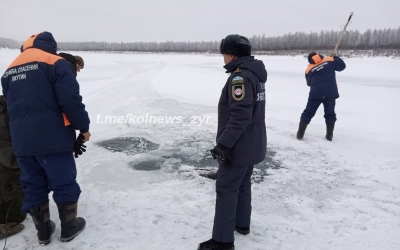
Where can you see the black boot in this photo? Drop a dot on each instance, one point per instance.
(302, 130)
(329, 131)
(215, 245)
(243, 230)
(45, 227)
(70, 225)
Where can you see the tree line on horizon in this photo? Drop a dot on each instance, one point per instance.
(377, 39)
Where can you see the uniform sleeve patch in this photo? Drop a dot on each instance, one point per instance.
(238, 92)
(237, 80)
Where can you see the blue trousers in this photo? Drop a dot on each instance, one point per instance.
(233, 204)
(312, 107)
(41, 174)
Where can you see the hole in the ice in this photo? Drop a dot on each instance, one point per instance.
(129, 145)
(207, 166)
(149, 165)
(260, 170)
(192, 154)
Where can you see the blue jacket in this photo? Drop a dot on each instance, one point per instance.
(43, 99)
(321, 77)
(241, 112)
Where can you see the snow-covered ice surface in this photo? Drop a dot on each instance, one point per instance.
(343, 194)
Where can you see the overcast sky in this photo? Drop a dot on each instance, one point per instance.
(187, 20)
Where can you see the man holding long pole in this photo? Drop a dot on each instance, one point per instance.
(321, 78)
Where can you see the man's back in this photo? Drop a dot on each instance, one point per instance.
(39, 87)
(321, 76)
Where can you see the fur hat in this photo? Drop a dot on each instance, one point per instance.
(79, 60)
(235, 45)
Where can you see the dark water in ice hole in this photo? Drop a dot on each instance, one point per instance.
(174, 158)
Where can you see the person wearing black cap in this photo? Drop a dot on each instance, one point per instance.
(241, 141)
(321, 78)
(74, 62)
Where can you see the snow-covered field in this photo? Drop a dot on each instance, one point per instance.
(343, 194)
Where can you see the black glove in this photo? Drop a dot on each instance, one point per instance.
(79, 147)
(222, 153)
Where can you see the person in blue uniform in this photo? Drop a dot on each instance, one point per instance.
(45, 109)
(241, 141)
(321, 78)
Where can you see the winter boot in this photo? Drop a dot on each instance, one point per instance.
(302, 130)
(243, 230)
(329, 131)
(9, 229)
(70, 225)
(45, 227)
(215, 245)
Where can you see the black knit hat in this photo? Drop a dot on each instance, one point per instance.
(311, 55)
(68, 57)
(235, 45)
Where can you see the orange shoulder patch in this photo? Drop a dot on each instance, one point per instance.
(325, 59)
(34, 55)
(29, 42)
